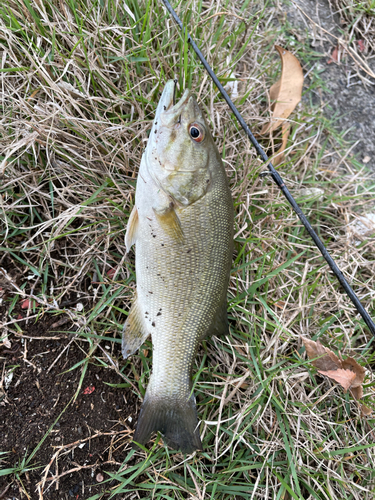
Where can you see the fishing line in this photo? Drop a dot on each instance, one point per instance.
(276, 177)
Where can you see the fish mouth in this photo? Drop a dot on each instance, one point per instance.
(167, 104)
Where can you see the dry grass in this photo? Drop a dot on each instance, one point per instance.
(79, 83)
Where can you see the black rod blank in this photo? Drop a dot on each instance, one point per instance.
(276, 177)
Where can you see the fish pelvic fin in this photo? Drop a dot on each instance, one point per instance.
(134, 332)
(131, 230)
(219, 325)
(170, 222)
(175, 419)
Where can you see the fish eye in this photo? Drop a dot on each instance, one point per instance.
(196, 132)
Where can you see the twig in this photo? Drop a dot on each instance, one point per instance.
(2, 494)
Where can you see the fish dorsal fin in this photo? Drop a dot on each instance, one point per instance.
(134, 332)
(170, 222)
(219, 325)
(131, 230)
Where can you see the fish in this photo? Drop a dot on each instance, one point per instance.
(182, 227)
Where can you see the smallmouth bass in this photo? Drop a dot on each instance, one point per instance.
(182, 227)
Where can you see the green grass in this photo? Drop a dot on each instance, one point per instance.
(352, 8)
(82, 81)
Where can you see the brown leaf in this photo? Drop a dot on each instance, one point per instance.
(287, 91)
(365, 411)
(327, 360)
(351, 364)
(279, 157)
(334, 56)
(356, 392)
(343, 377)
(347, 372)
(361, 45)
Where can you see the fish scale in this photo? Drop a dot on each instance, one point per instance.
(182, 227)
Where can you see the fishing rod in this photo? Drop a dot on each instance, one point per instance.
(276, 177)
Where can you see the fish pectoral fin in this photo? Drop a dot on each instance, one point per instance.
(170, 222)
(219, 325)
(134, 332)
(131, 230)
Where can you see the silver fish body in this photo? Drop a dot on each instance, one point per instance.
(182, 227)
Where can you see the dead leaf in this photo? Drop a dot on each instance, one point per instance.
(287, 92)
(327, 360)
(344, 377)
(89, 390)
(356, 392)
(347, 372)
(365, 410)
(334, 56)
(26, 303)
(111, 272)
(361, 45)
(279, 157)
(351, 364)
(7, 343)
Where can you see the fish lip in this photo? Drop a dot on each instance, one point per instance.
(166, 103)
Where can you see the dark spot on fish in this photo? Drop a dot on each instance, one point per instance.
(128, 351)
(153, 323)
(158, 314)
(162, 244)
(156, 131)
(189, 250)
(154, 235)
(151, 292)
(146, 313)
(156, 123)
(165, 109)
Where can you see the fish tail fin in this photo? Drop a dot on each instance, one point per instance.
(175, 419)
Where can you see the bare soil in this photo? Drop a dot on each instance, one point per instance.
(89, 433)
(349, 94)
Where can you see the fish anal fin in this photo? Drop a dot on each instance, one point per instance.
(131, 230)
(219, 325)
(134, 332)
(175, 419)
(170, 222)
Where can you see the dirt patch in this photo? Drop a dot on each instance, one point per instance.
(350, 90)
(90, 433)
